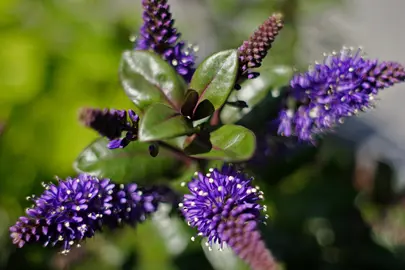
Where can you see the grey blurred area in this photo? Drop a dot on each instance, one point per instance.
(376, 26)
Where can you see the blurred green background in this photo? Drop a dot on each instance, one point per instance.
(59, 55)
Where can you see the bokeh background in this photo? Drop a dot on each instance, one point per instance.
(339, 206)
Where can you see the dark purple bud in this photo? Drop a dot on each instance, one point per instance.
(111, 124)
(154, 150)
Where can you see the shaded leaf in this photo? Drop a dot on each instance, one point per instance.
(215, 77)
(132, 163)
(162, 122)
(228, 143)
(198, 144)
(148, 79)
(265, 89)
(204, 109)
(190, 103)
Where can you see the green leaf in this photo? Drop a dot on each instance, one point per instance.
(148, 79)
(215, 77)
(132, 163)
(228, 143)
(203, 110)
(162, 122)
(190, 103)
(266, 88)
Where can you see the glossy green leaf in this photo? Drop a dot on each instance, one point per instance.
(148, 79)
(162, 122)
(132, 163)
(268, 86)
(228, 143)
(215, 77)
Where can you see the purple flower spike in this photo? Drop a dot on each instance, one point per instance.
(343, 85)
(159, 35)
(253, 51)
(66, 213)
(131, 205)
(225, 208)
(111, 124)
(74, 209)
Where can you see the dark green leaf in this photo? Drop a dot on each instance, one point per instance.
(228, 143)
(267, 86)
(148, 79)
(162, 122)
(132, 163)
(190, 103)
(215, 77)
(198, 144)
(204, 109)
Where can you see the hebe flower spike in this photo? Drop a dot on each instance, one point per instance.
(254, 50)
(74, 209)
(225, 208)
(343, 85)
(159, 35)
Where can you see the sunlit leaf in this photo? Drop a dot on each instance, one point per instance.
(162, 122)
(228, 143)
(148, 79)
(215, 77)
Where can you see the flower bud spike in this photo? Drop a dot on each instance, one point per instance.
(254, 50)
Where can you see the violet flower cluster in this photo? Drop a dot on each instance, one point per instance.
(343, 85)
(225, 208)
(74, 209)
(159, 35)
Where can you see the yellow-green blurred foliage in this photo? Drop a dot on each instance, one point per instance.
(56, 56)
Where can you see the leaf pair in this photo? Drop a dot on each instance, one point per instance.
(168, 107)
(168, 110)
(147, 79)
